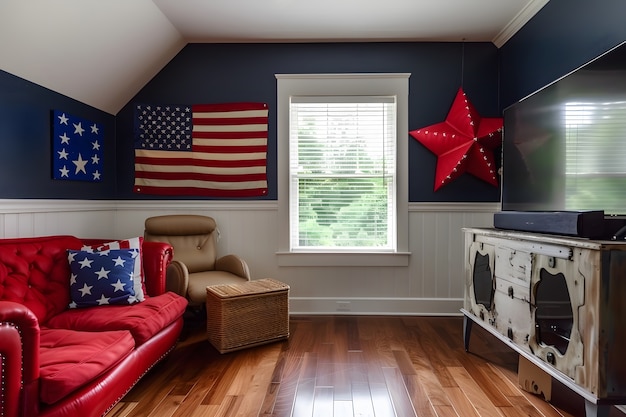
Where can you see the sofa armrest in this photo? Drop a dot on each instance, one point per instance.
(19, 346)
(233, 264)
(157, 256)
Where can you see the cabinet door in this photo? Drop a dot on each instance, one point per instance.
(479, 283)
(512, 297)
(558, 287)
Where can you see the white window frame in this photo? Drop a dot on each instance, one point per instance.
(361, 84)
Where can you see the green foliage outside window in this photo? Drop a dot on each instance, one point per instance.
(357, 218)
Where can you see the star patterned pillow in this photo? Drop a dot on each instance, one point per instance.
(132, 243)
(102, 278)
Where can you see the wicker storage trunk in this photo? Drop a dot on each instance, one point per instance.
(247, 314)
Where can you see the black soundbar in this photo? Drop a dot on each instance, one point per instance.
(585, 224)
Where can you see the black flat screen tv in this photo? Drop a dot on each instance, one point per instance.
(564, 146)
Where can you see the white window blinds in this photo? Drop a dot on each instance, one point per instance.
(342, 172)
(595, 157)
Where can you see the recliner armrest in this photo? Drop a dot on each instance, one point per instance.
(233, 264)
(177, 278)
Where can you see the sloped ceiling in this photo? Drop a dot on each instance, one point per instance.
(102, 52)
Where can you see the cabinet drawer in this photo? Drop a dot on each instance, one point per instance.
(512, 311)
(513, 265)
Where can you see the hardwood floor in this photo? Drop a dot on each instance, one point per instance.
(346, 366)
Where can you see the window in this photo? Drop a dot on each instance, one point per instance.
(343, 164)
(342, 169)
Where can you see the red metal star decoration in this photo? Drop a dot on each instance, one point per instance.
(464, 142)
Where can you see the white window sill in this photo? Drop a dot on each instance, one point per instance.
(343, 259)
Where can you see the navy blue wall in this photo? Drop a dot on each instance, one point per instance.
(563, 36)
(26, 143)
(214, 73)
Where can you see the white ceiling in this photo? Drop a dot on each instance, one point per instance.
(102, 52)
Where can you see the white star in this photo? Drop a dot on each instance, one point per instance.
(104, 252)
(118, 261)
(102, 273)
(85, 263)
(62, 119)
(119, 286)
(72, 279)
(80, 164)
(73, 305)
(64, 138)
(103, 300)
(78, 128)
(94, 129)
(132, 299)
(96, 175)
(86, 290)
(64, 171)
(70, 256)
(62, 154)
(86, 248)
(95, 145)
(95, 159)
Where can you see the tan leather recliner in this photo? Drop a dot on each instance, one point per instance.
(195, 263)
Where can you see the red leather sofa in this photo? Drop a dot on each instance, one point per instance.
(61, 361)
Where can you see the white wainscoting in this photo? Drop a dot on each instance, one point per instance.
(431, 284)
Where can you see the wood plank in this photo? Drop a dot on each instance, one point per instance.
(362, 405)
(323, 402)
(122, 409)
(402, 403)
(381, 401)
(169, 405)
(432, 388)
(439, 358)
(445, 411)
(254, 377)
(305, 390)
(404, 362)
(271, 393)
(352, 335)
(462, 403)
(342, 409)
(483, 376)
(229, 406)
(419, 396)
(480, 400)
(283, 405)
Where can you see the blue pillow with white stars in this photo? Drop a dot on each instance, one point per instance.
(101, 278)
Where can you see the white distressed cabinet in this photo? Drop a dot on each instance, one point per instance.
(560, 302)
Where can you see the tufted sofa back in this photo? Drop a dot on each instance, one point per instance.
(35, 272)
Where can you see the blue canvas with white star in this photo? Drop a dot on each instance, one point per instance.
(101, 278)
(76, 148)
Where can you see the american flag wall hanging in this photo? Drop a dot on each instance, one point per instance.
(213, 150)
(77, 148)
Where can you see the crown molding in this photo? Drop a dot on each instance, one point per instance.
(518, 21)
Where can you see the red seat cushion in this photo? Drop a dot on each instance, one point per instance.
(143, 320)
(70, 359)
